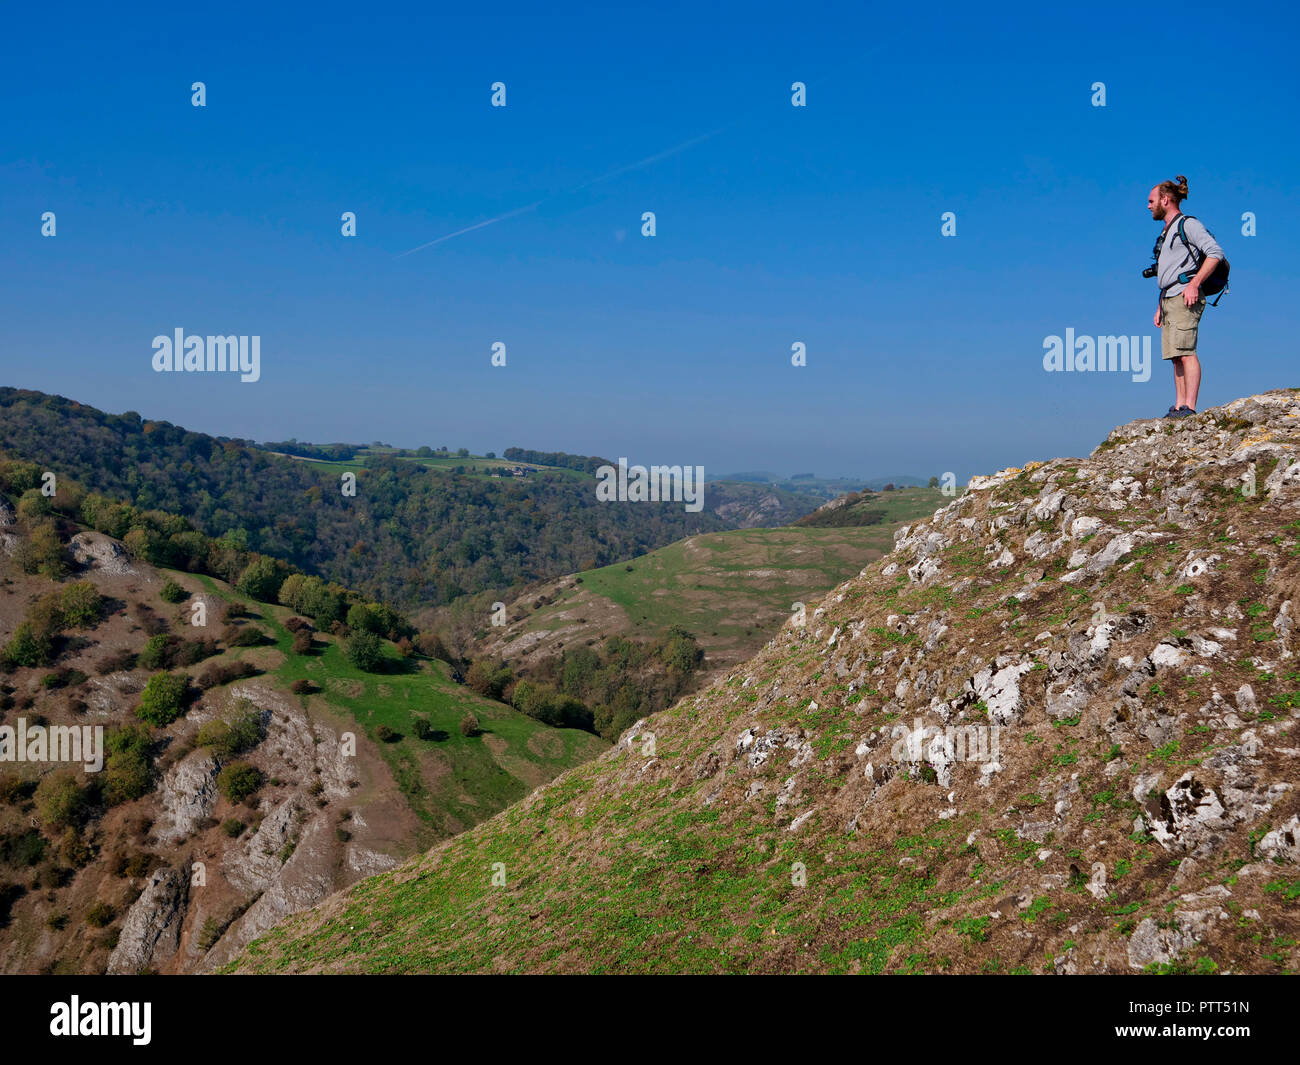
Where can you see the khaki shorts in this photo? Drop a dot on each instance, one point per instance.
(1178, 326)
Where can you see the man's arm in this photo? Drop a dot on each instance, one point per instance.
(1192, 292)
(1204, 241)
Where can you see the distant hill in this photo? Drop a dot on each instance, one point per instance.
(826, 488)
(858, 509)
(806, 484)
(417, 533)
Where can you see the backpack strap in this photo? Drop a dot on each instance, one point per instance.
(1197, 255)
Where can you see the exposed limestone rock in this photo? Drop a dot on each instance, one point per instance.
(1190, 815)
(255, 866)
(98, 551)
(1283, 843)
(1152, 945)
(151, 930)
(187, 796)
(301, 882)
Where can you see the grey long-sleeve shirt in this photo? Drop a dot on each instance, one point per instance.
(1176, 257)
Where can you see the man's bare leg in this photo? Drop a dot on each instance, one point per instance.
(1191, 376)
(1180, 384)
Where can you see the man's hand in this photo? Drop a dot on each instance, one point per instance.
(1193, 290)
(1157, 317)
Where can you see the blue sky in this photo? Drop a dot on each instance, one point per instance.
(775, 224)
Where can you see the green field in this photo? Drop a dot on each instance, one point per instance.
(475, 465)
(895, 508)
(732, 589)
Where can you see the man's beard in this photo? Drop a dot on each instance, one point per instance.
(1158, 214)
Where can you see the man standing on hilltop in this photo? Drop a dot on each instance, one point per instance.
(1178, 314)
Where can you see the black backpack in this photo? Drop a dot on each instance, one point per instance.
(1217, 282)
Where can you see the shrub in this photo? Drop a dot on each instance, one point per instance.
(302, 687)
(232, 826)
(238, 731)
(46, 614)
(60, 800)
(13, 788)
(128, 769)
(63, 678)
(100, 915)
(133, 866)
(423, 730)
(82, 604)
(33, 504)
(430, 644)
(679, 651)
(290, 593)
(192, 652)
(261, 580)
(320, 601)
(364, 651)
(21, 850)
(238, 781)
(224, 673)
(171, 592)
(163, 698)
(210, 933)
(302, 642)
(242, 635)
(157, 652)
(115, 661)
(149, 621)
(386, 735)
(489, 678)
(551, 707)
(469, 725)
(43, 553)
(73, 850)
(28, 647)
(361, 618)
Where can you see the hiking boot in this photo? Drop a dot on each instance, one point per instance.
(1172, 412)
(1182, 412)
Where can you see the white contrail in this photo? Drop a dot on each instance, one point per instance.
(650, 159)
(827, 76)
(470, 229)
(577, 188)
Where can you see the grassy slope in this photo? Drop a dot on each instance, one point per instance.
(889, 508)
(473, 464)
(451, 781)
(670, 861)
(731, 589)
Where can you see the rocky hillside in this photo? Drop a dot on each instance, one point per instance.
(842, 803)
(278, 774)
